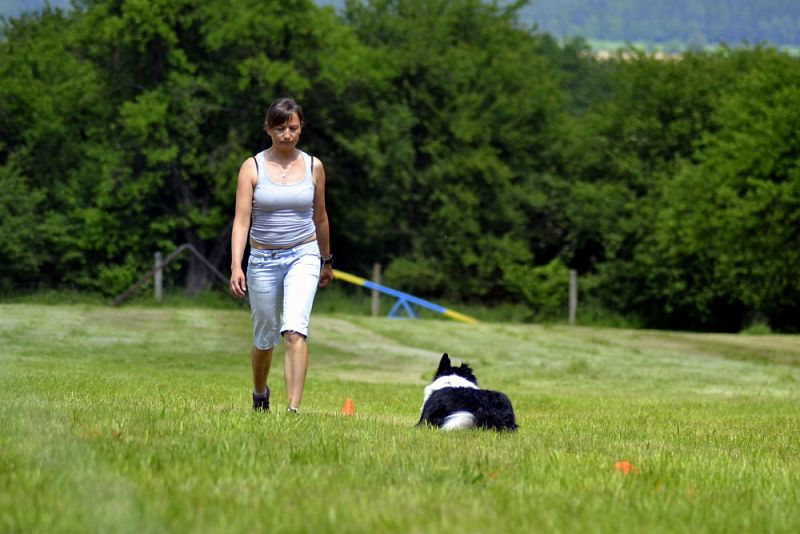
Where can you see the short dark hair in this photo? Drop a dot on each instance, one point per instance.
(281, 111)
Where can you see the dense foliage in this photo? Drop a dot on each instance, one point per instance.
(476, 159)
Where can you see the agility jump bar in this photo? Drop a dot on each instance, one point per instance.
(404, 300)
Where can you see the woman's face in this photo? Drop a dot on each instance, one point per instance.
(285, 136)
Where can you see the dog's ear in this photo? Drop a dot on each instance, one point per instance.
(444, 364)
(466, 371)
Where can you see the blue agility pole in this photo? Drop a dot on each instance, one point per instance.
(404, 300)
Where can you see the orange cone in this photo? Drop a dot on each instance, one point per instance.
(625, 467)
(348, 408)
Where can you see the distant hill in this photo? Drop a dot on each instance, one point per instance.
(681, 23)
(672, 24)
(13, 8)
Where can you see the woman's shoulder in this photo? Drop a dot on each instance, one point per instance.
(249, 166)
(312, 161)
(252, 159)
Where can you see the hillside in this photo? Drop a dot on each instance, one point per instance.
(13, 8)
(693, 23)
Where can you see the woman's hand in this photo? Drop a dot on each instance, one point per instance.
(325, 275)
(238, 283)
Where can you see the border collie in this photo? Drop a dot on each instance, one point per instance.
(453, 401)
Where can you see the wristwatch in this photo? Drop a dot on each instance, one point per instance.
(328, 260)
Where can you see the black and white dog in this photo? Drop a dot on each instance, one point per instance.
(453, 401)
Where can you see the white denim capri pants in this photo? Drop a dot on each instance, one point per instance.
(281, 285)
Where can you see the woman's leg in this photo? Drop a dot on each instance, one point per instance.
(300, 287)
(295, 367)
(261, 361)
(265, 290)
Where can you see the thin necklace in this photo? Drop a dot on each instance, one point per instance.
(285, 167)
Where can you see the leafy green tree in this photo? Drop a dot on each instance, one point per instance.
(186, 101)
(18, 229)
(47, 94)
(621, 155)
(131, 118)
(454, 143)
(726, 247)
(635, 132)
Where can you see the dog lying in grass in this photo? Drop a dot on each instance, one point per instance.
(454, 401)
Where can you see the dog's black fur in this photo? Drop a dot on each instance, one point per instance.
(488, 409)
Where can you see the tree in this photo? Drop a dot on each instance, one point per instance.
(48, 98)
(133, 117)
(726, 246)
(646, 119)
(454, 136)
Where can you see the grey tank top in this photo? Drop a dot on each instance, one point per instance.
(283, 214)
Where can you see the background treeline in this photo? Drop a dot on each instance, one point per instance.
(676, 23)
(476, 160)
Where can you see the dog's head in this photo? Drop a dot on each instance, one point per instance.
(446, 369)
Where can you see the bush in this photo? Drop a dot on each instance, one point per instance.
(544, 288)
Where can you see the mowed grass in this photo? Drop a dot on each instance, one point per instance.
(138, 419)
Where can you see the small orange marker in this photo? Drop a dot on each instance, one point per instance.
(348, 408)
(625, 467)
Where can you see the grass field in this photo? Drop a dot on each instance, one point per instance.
(138, 419)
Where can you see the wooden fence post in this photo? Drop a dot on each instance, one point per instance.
(158, 278)
(573, 295)
(158, 270)
(376, 277)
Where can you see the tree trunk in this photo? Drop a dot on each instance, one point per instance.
(198, 277)
(221, 251)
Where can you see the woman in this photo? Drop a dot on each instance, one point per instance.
(281, 190)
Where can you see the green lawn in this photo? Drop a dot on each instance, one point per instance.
(137, 419)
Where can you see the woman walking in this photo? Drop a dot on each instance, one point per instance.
(280, 208)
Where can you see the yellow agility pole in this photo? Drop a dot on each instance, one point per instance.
(403, 299)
